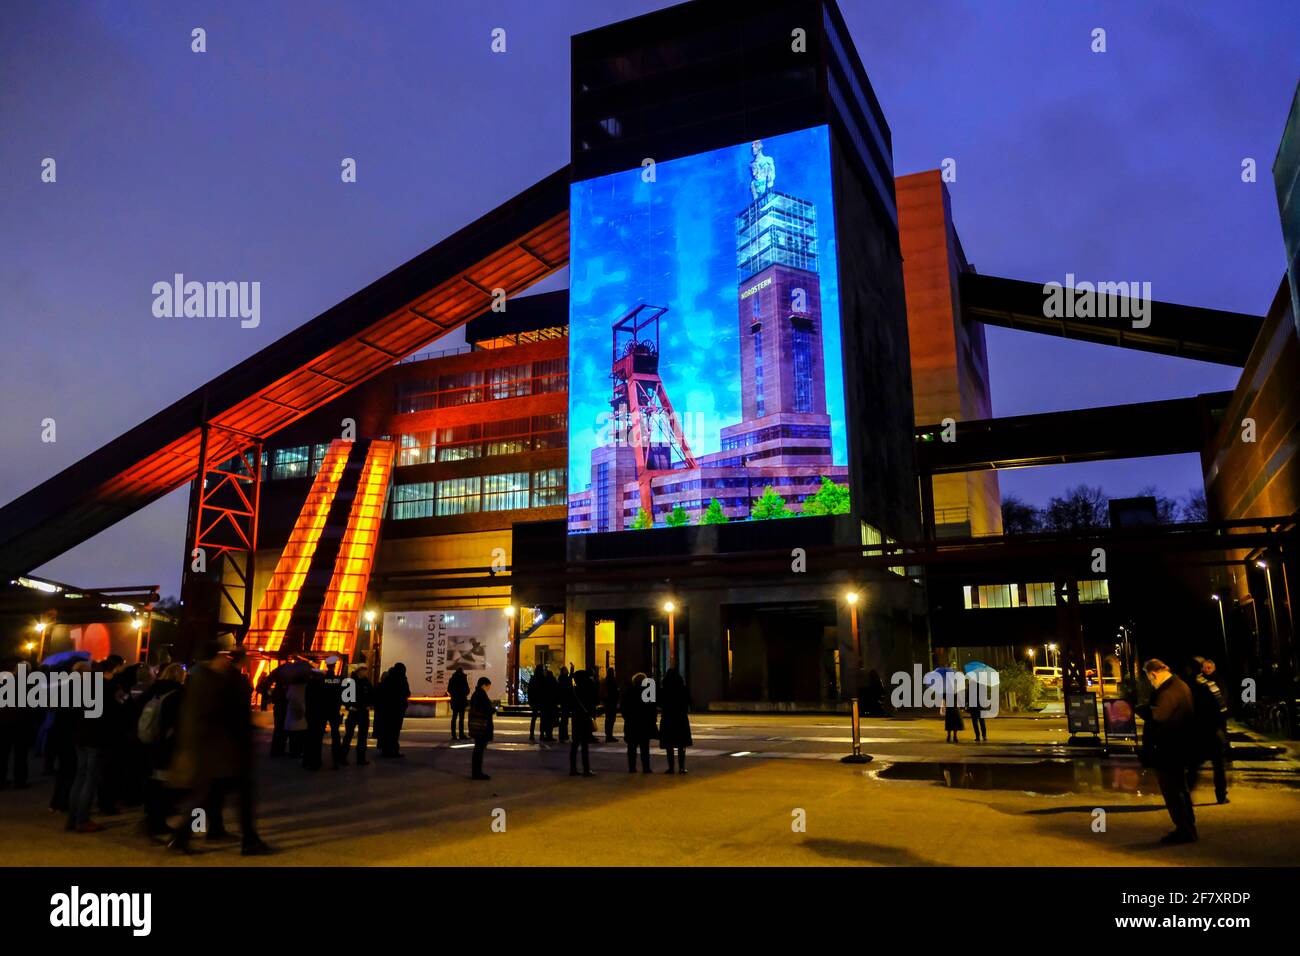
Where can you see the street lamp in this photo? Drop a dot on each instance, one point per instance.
(1272, 610)
(670, 609)
(851, 599)
(1223, 627)
(1051, 655)
(40, 634)
(508, 610)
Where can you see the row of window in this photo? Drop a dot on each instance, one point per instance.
(483, 385)
(1036, 594)
(484, 440)
(512, 491)
(773, 433)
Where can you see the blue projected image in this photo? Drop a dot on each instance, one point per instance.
(705, 369)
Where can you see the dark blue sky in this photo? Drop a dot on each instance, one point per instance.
(225, 166)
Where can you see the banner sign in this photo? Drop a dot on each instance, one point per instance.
(432, 644)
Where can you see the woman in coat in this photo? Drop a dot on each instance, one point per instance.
(480, 725)
(638, 723)
(675, 725)
(585, 698)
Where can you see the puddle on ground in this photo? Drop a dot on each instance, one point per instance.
(1052, 777)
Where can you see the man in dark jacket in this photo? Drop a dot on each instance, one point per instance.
(390, 709)
(214, 750)
(611, 705)
(458, 691)
(585, 698)
(640, 712)
(358, 705)
(1168, 741)
(1211, 720)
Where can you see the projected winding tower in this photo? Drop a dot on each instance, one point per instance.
(642, 412)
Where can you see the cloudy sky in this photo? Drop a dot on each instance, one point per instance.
(225, 166)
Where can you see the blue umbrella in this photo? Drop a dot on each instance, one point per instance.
(65, 657)
(977, 666)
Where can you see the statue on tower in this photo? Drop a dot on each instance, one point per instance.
(762, 171)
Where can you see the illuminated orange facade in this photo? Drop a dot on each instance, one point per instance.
(950, 374)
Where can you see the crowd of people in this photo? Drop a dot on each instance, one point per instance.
(171, 741)
(571, 703)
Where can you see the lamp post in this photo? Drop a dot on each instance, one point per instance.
(1223, 627)
(855, 712)
(671, 609)
(40, 636)
(1052, 656)
(512, 654)
(1272, 609)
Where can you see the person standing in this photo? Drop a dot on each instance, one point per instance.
(974, 681)
(1168, 739)
(279, 684)
(952, 722)
(214, 750)
(549, 703)
(93, 737)
(639, 712)
(675, 724)
(358, 706)
(480, 726)
(390, 710)
(564, 700)
(535, 704)
(334, 710)
(15, 737)
(1211, 720)
(458, 690)
(316, 705)
(585, 700)
(295, 708)
(611, 704)
(159, 720)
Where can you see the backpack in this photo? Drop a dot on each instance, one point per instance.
(149, 727)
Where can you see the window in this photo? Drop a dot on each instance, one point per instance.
(508, 492)
(413, 500)
(758, 371)
(550, 431)
(459, 442)
(550, 375)
(507, 438)
(802, 367)
(291, 462)
(462, 388)
(510, 381)
(415, 449)
(548, 487)
(458, 496)
(996, 595)
(1039, 594)
(1094, 592)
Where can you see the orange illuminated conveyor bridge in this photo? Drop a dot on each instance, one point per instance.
(314, 598)
(194, 440)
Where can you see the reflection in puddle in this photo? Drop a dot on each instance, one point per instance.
(1047, 776)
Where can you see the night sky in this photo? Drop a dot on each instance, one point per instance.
(225, 166)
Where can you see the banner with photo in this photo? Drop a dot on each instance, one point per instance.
(432, 644)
